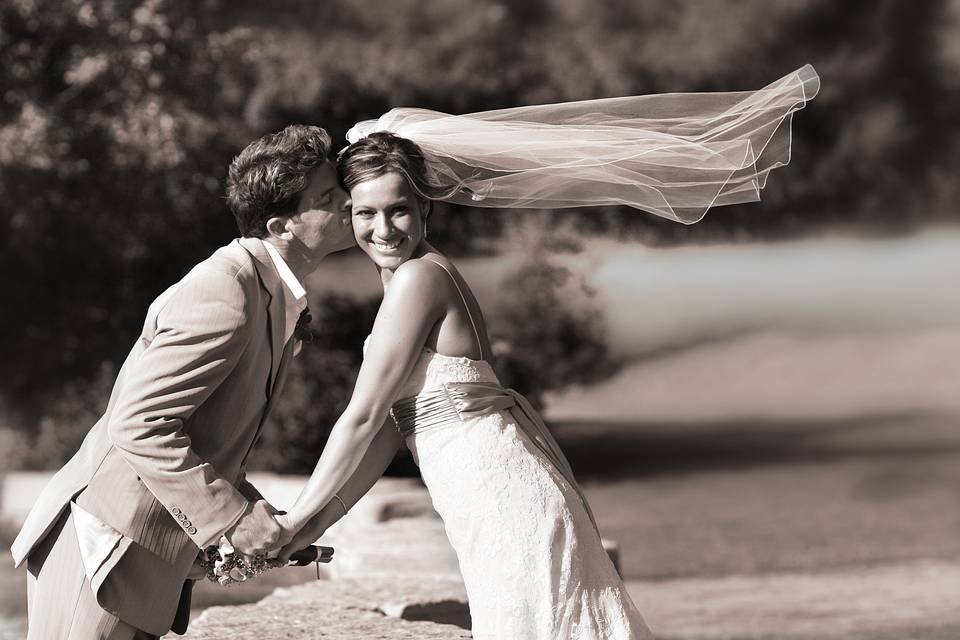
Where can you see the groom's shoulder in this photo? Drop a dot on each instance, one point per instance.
(227, 273)
(231, 260)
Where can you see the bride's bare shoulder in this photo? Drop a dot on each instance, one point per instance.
(431, 268)
(425, 275)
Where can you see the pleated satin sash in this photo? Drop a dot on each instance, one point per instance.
(458, 401)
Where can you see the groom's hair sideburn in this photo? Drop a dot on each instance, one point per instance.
(265, 181)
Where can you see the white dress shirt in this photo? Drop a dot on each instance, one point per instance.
(295, 296)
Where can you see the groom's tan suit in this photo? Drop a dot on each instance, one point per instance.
(162, 472)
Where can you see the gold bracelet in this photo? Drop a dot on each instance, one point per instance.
(342, 503)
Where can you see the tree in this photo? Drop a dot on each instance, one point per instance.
(547, 334)
(118, 121)
(116, 127)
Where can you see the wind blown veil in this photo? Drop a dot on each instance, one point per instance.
(675, 155)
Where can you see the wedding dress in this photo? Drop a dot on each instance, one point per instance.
(529, 551)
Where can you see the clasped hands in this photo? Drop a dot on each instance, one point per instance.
(264, 530)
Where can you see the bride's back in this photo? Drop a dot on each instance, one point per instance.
(461, 332)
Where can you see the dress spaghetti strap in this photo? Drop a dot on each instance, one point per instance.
(466, 306)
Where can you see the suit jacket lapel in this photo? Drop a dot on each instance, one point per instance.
(277, 309)
(278, 383)
(284, 365)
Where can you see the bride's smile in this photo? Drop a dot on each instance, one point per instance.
(388, 246)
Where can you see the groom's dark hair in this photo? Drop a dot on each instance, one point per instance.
(267, 178)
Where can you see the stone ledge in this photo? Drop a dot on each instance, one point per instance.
(347, 608)
(394, 576)
(398, 580)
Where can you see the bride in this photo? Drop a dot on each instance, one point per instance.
(527, 543)
(528, 548)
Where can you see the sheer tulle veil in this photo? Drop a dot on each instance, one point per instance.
(675, 155)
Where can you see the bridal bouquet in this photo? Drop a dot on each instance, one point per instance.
(222, 564)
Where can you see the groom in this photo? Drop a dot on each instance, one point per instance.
(113, 536)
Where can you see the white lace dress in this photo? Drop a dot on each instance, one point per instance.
(529, 553)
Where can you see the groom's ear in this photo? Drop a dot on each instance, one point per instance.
(277, 228)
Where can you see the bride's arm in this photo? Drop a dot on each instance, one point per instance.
(378, 457)
(413, 303)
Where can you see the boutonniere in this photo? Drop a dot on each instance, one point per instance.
(303, 331)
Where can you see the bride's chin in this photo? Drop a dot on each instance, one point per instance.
(387, 262)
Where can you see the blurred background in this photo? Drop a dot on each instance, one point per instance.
(773, 389)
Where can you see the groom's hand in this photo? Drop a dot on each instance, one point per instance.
(257, 531)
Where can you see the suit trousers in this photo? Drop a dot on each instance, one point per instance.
(61, 604)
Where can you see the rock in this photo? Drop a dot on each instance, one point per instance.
(391, 499)
(395, 577)
(397, 548)
(442, 612)
(613, 551)
(341, 609)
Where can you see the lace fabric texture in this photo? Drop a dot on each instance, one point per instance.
(531, 559)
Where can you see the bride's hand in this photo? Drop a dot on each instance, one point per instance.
(306, 536)
(282, 520)
(288, 531)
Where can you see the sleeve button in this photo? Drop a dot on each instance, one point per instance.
(191, 530)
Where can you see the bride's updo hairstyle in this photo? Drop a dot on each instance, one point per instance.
(380, 153)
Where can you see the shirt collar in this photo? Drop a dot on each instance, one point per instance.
(286, 276)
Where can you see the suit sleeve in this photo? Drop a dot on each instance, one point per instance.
(247, 489)
(201, 333)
